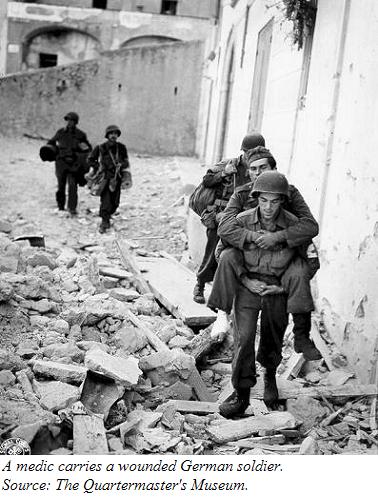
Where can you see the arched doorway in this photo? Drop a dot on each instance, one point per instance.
(54, 46)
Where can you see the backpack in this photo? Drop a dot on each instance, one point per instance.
(201, 198)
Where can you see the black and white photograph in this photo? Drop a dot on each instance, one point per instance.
(188, 238)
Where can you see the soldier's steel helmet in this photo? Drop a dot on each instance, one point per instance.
(73, 116)
(111, 128)
(253, 140)
(271, 182)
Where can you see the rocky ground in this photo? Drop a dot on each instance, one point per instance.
(89, 364)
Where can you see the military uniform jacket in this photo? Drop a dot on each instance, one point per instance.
(225, 185)
(271, 262)
(295, 235)
(108, 156)
(68, 143)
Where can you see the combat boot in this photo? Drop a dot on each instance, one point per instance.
(104, 226)
(270, 388)
(236, 403)
(198, 295)
(302, 341)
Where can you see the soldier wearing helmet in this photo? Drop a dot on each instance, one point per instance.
(71, 144)
(222, 178)
(261, 291)
(297, 276)
(109, 161)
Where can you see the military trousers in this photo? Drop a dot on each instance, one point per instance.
(295, 281)
(208, 265)
(109, 202)
(273, 323)
(65, 176)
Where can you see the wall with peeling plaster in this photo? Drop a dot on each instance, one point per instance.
(109, 28)
(152, 93)
(345, 173)
(326, 143)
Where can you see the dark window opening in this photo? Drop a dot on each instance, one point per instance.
(140, 8)
(48, 60)
(169, 7)
(99, 4)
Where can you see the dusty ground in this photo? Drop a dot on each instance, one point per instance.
(27, 197)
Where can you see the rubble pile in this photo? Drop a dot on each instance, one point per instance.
(89, 364)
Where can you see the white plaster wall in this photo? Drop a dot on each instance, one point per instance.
(3, 36)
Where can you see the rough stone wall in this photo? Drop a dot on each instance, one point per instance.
(152, 93)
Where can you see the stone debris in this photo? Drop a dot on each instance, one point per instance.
(121, 369)
(67, 373)
(91, 363)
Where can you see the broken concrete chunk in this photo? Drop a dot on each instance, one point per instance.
(309, 446)
(42, 306)
(178, 342)
(167, 366)
(41, 259)
(56, 395)
(129, 339)
(228, 431)
(89, 435)
(7, 378)
(67, 373)
(6, 290)
(146, 419)
(146, 305)
(27, 432)
(60, 350)
(59, 326)
(306, 410)
(167, 332)
(124, 294)
(108, 282)
(9, 263)
(115, 444)
(338, 377)
(11, 361)
(68, 257)
(115, 272)
(118, 368)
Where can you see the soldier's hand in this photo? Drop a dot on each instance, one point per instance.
(254, 286)
(266, 240)
(272, 290)
(230, 168)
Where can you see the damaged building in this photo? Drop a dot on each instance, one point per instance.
(111, 354)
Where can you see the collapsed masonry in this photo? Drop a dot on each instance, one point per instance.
(91, 363)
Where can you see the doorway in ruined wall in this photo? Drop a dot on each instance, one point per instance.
(57, 46)
(225, 104)
(260, 77)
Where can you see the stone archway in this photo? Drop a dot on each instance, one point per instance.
(56, 45)
(140, 41)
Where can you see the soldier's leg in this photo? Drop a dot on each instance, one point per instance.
(296, 282)
(61, 176)
(273, 324)
(105, 209)
(246, 311)
(72, 192)
(208, 266)
(115, 199)
(226, 280)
